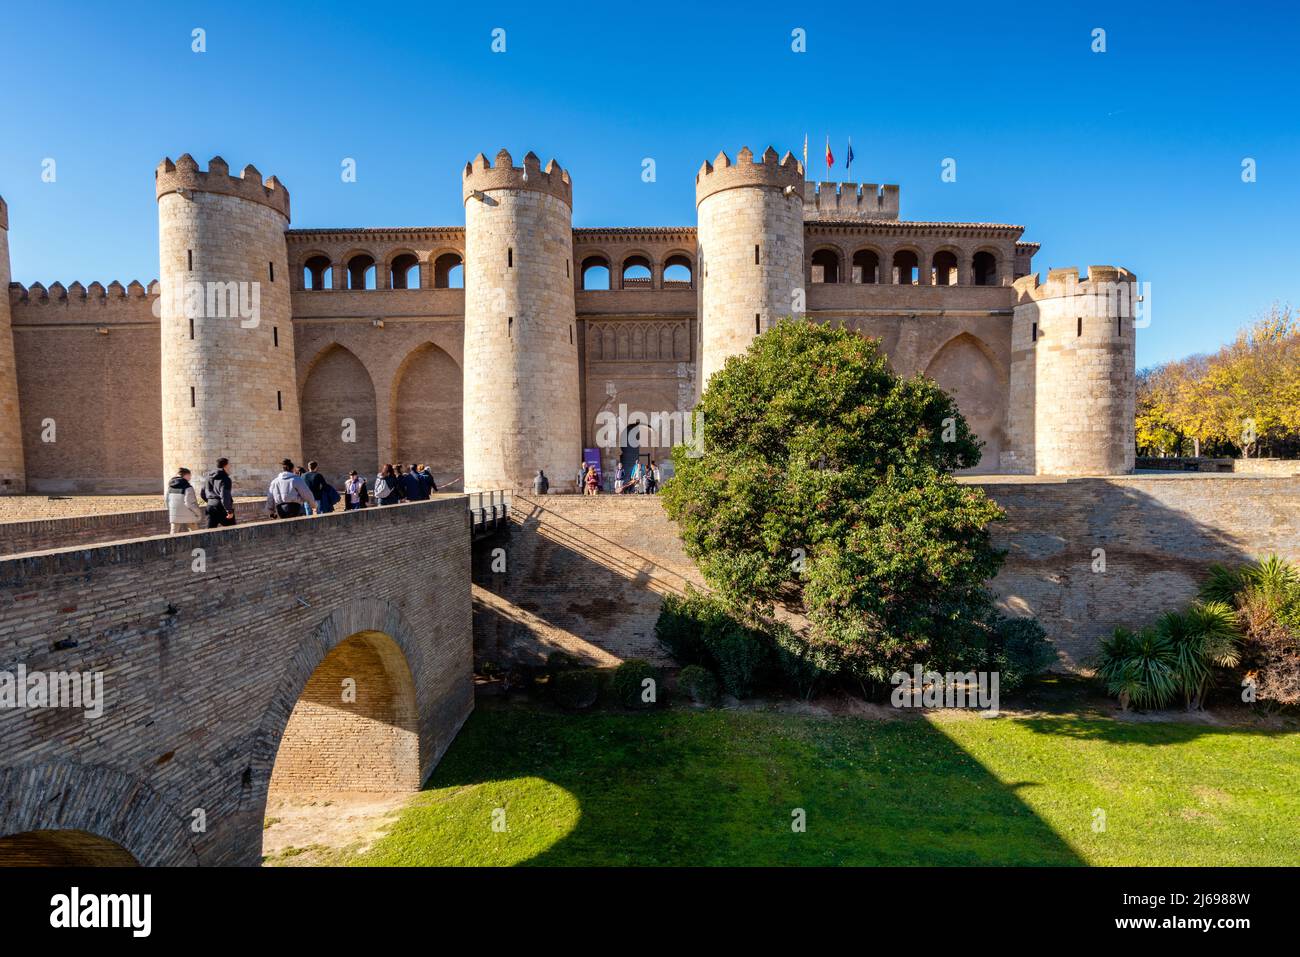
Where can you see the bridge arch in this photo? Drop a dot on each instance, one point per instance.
(382, 746)
(67, 813)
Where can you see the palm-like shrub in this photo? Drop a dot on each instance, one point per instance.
(1204, 637)
(1139, 667)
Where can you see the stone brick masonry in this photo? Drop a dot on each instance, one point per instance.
(587, 575)
(202, 669)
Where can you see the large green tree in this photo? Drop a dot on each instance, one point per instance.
(822, 484)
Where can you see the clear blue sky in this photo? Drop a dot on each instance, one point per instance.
(1131, 157)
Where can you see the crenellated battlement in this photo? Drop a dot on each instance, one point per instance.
(839, 201)
(784, 173)
(185, 176)
(38, 293)
(1063, 283)
(480, 176)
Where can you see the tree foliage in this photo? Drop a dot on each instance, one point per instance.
(824, 486)
(1242, 400)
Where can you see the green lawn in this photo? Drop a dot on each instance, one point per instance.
(719, 787)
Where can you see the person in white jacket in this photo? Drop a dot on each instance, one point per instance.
(182, 505)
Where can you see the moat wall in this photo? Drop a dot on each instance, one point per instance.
(587, 575)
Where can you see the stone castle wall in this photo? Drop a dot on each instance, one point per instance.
(228, 381)
(522, 398)
(1073, 379)
(354, 372)
(751, 250)
(587, 575)
(89, 387)
(12, 472)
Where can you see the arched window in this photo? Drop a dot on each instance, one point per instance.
(405, 272)
(866, 266)
(636, 273)
(984, 269)
(595, 272)
(825, 266)
(317, 273)
(449, 272)
(907, 270)
(361, 272)
(944, 269)
(678, 272)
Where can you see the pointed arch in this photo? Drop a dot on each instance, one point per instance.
(340, 426)
(967, 369)
(428, 406)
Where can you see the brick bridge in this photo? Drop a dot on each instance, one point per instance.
(316, 654)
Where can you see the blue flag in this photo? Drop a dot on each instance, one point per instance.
(849, 159)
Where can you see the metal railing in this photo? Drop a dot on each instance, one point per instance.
(488, 510)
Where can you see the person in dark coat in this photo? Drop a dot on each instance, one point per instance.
(316, 482)
(217, 495)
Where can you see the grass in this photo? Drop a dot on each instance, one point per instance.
(721, 788)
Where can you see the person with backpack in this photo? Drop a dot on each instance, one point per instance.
(182, 506)
(217, 496)
(288, 494)
(355, 493)
(387, 489)
(316, 482)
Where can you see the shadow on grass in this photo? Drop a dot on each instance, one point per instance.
(715, 788)
(1154, 730)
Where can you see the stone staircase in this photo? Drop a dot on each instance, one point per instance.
(584, 574)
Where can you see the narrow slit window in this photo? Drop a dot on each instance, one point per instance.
(189, 259)
(275, 336)
(1079, 330)
(510, 257)
(510, 327)
(756, 323)
(1033, 333)
(270, 269)
(191, 327)
(1119, 325)
(191, 397)
(279, 400)
(755, 254)
(570, 335)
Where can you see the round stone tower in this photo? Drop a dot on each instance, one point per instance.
(229, 386)
(1073, 380)
(750, 236)
(12, 474)
(522, 409)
